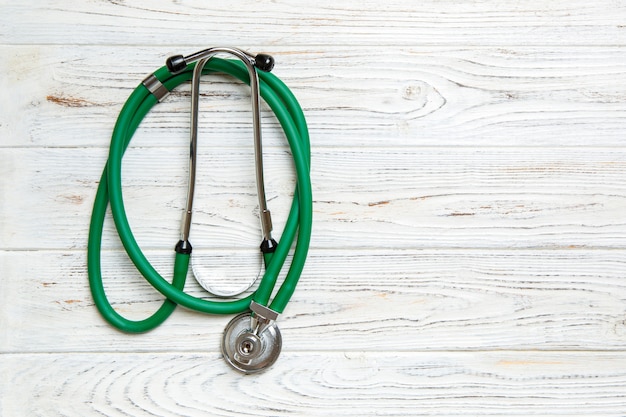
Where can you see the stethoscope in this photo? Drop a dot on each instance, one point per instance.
(251, 341)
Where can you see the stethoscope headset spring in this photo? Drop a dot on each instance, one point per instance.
(251, 341)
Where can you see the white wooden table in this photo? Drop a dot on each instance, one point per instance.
(469, 178)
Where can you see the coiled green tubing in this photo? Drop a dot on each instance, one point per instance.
(297, 227)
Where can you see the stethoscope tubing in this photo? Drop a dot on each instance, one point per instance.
(298, 225)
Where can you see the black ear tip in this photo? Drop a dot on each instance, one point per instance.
(264, 62)
(176, 64)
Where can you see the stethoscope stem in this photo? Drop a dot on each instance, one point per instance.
(203, 57)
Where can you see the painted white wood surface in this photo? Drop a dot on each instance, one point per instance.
(469, 178)
(314, 384)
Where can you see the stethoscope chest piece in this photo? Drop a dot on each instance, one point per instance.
(249, 347)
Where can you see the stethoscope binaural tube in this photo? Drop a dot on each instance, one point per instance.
(176, 64)
(265, 63)
(297, 228)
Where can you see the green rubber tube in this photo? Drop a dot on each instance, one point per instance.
(297, 228)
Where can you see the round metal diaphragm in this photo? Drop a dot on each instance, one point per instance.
(219, 279)
(248, 352)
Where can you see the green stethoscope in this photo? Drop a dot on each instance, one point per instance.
(251, 341)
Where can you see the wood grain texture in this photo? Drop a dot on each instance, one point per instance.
(327, 22)
(310, 384)
(469, 179)
(394, 198)
(371, 300)
(409, 96)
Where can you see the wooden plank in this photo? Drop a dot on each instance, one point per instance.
(312, 384)
(532, 22)
(375, 300)
(395, 198)
(418, 96)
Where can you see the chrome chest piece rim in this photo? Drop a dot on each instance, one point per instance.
(248, 348)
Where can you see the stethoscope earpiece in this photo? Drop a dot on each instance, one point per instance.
(264, 62)
(176, 64)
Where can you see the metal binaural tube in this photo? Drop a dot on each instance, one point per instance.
(203, 57)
